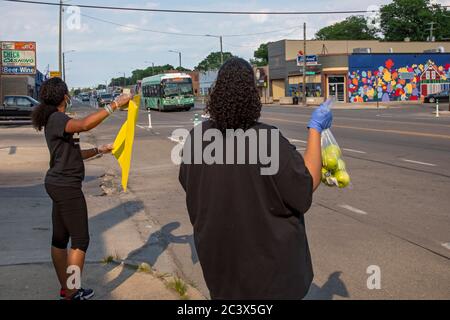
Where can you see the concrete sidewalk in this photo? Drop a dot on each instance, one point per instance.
(119, 229)
(111, 281)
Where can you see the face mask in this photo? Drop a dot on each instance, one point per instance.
(68, 105)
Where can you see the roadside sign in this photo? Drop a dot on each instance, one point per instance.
(55, 74)
(311, 60)
(18, 57)
(17, 70)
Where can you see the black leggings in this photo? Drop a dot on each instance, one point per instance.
(69, 217)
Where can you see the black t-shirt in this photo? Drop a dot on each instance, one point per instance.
(66, 162)
(249, 228)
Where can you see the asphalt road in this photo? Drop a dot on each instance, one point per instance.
(395, 216)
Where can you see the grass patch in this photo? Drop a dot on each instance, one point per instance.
(178, 286)
(144, 267)
(108, 259)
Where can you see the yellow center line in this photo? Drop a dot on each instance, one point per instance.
(406, 133)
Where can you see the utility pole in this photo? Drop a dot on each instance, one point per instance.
(221, 51)
(63, 67)
(179, 55)
(60, 69)
(124, 80)
(221, 45)
(304, 64)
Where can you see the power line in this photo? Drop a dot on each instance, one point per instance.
(199, 11)
(184, 34)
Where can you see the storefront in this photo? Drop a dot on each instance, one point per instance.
(345, 74)
(17, 68)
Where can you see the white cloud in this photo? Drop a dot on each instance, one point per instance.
(260, 18)
(127, 28)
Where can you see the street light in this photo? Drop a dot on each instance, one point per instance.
(179, 55)
(221, 45)
(153, 66)
(64, 63)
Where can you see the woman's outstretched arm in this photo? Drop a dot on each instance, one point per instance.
(94, 119)
(313, 157)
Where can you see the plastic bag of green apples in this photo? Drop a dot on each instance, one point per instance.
(334, 171)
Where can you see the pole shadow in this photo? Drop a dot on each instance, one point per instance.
(334, 286)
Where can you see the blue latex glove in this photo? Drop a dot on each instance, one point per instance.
(321, 118)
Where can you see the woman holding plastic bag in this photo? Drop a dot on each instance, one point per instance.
(249, 228)
(320, 122)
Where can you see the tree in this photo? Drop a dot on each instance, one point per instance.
(101, 87)
(213, 61)
(261, 56)
(410, 19)
(352, 28)
(182, 69)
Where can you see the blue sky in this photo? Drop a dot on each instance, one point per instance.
(105, 50)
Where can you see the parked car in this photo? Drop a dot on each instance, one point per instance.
(17, 107)
(104, 99)
(440, 96)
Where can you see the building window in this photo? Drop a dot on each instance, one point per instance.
(312, 90)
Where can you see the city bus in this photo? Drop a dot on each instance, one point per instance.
(169, 91)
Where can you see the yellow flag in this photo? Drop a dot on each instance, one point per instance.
(123, 145)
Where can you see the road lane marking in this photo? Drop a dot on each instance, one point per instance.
(353, 150)
(384, 121)
(296, 140)
(419, 162)
(353, 209)
(407, 133)
(446, 245)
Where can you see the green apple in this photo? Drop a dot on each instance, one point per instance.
(330, 161)
(325, 174)
(341, 165)
(333, 149)
(343, 179)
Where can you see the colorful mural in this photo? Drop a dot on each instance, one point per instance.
(402, 77)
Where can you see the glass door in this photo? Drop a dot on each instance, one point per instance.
(336, 88)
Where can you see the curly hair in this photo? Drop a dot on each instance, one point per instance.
(51, 95)
(234, 102)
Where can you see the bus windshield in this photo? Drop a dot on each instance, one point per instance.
(172, 88)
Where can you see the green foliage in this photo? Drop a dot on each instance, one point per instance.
(178, 286)
(410, 19)
(213, 61)
(108, 259)
(261, 56)
(352, 28)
